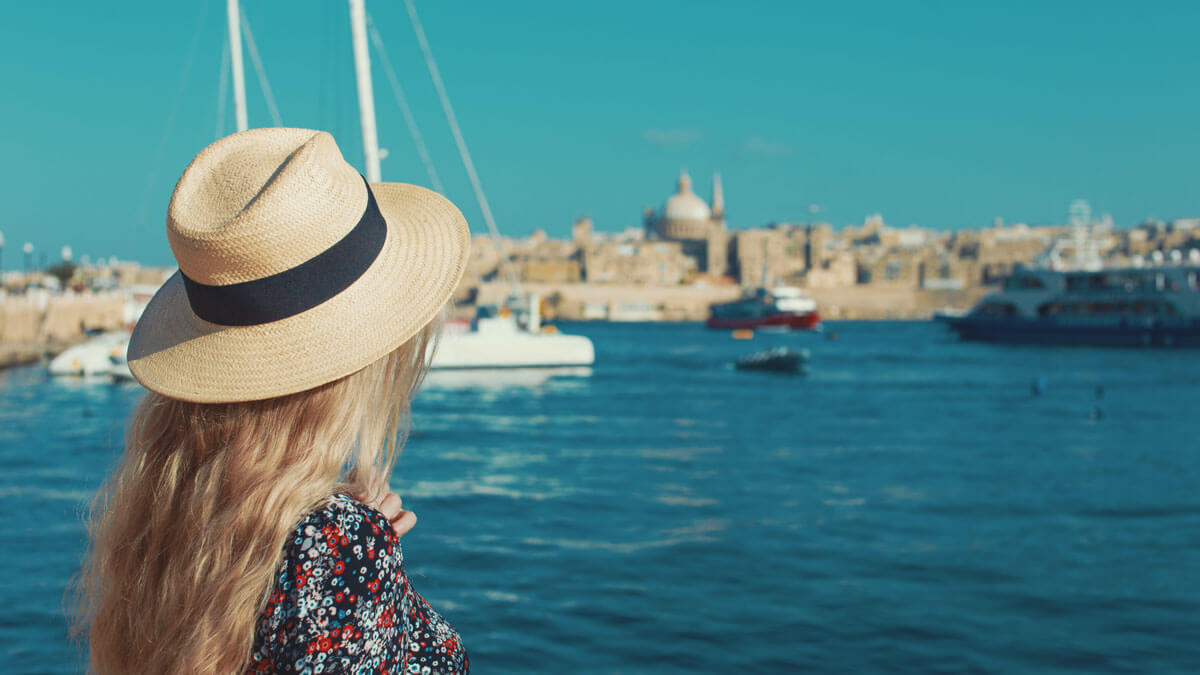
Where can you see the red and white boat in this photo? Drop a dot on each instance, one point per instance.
(782, 307)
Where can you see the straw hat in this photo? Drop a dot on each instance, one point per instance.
(293, 271)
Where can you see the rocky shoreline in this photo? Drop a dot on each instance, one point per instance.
(24, 354)
(37, 326)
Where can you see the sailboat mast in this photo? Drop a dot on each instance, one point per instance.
(235, 51)
(366, 98)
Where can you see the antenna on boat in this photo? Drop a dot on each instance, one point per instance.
(235, 52)
(1085, 237)
(366, 97)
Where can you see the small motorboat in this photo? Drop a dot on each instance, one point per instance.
(778, 360)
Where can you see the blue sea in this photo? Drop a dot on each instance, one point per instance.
(911, 504)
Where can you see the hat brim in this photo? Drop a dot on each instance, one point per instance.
(177, 354)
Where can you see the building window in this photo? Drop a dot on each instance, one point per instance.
(891, 271)
(997, 310)
(1019, 283)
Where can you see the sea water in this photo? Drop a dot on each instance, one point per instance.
(911, 504)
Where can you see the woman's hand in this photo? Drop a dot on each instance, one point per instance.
(391, 505)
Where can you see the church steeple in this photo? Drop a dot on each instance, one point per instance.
(718, 199)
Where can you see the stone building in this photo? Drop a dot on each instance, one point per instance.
(654, 263)
(687, 219)
(544, 260)
(487, 254)
(790, 254)
(581, 231)
(836, 269)
(761, 257)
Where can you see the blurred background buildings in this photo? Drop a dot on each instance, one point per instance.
(685, 257)
(681, 260)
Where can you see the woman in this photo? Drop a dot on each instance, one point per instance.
(248, 527)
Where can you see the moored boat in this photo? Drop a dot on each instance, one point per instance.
(783, 307)
(93, 357)
(1135, 306)
(501, 337)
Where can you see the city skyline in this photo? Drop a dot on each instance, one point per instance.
(933, 114)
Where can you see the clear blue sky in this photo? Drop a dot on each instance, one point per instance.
(945, 114)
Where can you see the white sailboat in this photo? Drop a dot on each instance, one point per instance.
(506, 337)
(510, 336)
(501, 338)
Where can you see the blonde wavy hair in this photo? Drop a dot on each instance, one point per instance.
(186, 536)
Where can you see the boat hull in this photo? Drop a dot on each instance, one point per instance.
(774, 361)
(794, 321)
(512, 350)
(93, 357)
(1050, 332)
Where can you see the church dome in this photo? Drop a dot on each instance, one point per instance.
(685, 204)
(686, 207)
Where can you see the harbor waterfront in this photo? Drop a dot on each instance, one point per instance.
(911, 504)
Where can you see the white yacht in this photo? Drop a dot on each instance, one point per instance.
(503, 338)
(1077, 299)
(1131, 306)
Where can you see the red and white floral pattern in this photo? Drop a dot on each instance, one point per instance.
(342, 603)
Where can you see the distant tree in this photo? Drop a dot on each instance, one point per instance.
(63, 271)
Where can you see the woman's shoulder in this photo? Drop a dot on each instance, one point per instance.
(340, 521)
(342, 599)
(337, 592)
(342, 509)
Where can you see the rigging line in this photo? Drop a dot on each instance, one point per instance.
(341, 53)
(222, 88)
(458, 139)
(323, 77)
(258, 69)
(398, 92)
(166, 134)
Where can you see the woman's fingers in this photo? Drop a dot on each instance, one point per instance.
(391, 505)
(404, 522)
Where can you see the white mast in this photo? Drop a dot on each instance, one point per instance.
(366, 99)
(235, 51)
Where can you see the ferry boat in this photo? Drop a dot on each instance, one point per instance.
(1134, 306)
(783, 306)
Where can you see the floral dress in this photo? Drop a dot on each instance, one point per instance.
(342, 603)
